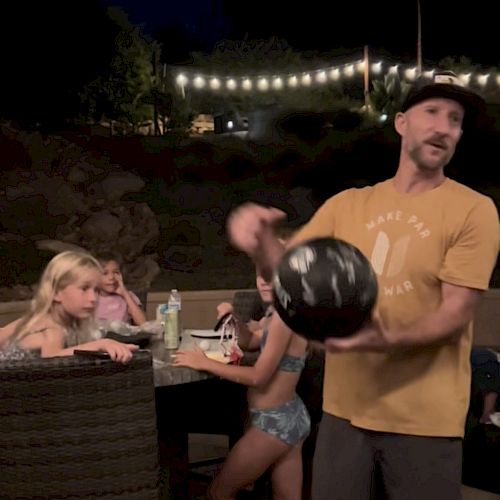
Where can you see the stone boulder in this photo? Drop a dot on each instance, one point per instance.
(70, 199)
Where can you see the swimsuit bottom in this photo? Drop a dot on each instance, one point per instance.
(290, 422)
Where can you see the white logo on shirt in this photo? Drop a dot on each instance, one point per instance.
(388, 257)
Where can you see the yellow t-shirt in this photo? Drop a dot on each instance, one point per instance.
(414, 242)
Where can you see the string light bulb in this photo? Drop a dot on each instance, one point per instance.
(306, 80)
(277, 83)
(246, 84)
(181, 79)
(263, 84)
(411, 73)
(320, 76)
(482, 79)
(335, 74)
(215, 84)
(199, 82)
(349, 70)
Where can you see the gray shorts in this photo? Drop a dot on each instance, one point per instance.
(289, 422)
(352, 463)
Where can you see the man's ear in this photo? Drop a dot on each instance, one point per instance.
(400, 123)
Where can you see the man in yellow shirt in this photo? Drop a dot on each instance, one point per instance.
(396, 393)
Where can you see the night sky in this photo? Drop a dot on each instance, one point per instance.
(447, 28)
(51, 49)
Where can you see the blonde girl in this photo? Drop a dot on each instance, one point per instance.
(61, 315)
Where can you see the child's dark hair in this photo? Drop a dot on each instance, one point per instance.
(105, 257)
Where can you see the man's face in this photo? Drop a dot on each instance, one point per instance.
(430, 131)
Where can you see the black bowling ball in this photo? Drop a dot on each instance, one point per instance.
(324, 287)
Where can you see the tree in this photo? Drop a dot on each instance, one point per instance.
(267, 57)
(463, 65)
(388, 94)
(125, 92)
(458, 65)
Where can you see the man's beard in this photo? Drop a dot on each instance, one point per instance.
(417, 155)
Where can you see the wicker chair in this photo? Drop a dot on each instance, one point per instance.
(78, 427)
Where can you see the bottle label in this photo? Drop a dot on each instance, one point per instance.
(171, 328)
(161, 309)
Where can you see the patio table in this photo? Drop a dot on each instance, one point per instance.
(191, 401)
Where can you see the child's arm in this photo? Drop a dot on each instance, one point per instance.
(250, 334)
(224, 308)
(52, 345)
(257, 375)
(6, 331)
(50, 341)
(134, 309)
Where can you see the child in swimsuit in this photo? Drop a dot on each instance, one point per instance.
(279, 421)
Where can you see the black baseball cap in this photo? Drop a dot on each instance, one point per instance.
(447, 85)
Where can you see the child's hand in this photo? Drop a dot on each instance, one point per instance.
(120, 289)
(194, 358)
(224, 308)
(118, 351)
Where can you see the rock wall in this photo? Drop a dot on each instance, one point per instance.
(162, 211)
(57, 196)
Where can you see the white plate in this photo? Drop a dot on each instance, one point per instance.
(218, 356)
(214, 352)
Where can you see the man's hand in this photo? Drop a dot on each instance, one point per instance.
(249, 224)
(371, 337)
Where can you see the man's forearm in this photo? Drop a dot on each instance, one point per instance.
(442, 326)
(269, 254)
(433, 330)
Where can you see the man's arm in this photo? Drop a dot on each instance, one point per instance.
(442, 326)
(250, 229)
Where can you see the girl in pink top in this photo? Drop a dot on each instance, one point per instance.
(115, 302)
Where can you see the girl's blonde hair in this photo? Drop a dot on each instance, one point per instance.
(65, 268)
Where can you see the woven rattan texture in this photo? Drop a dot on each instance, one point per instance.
(78, 427)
